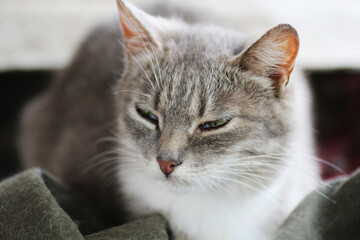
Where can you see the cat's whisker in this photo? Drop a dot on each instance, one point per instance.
(159, 69)
(263, 159)
(100, 155)
(96, 161)
(247, 178)
(124, 163)
(251, 173)
(256, 165)
(107, 139)
(131, 170)
(128, 164)
(319, 160)
(241, 173)
(207, 188)
(325, 196)
(296, 154)
(313, 158)
(219, 191)
(259, 166)
(241, 183)
(100, 165)
(249, 187)
(220, 68)
(105, 161)
(133, 91)
(274, 169)
(117, 157)
(112, 175)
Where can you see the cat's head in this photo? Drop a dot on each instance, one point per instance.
(195, 105)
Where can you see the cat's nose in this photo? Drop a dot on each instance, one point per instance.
(167, 166)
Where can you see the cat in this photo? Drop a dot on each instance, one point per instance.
(176, 116)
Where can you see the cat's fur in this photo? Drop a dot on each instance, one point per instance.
(236, 182)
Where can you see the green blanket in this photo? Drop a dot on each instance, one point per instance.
(332, 213)
(33, 205)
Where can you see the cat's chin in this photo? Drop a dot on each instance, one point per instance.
(174, 184)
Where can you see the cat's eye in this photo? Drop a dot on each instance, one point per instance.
(214, 124)
(147, 115)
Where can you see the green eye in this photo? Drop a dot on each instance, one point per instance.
(147, 115)
(214, 124)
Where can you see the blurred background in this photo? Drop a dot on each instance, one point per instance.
(39, 37)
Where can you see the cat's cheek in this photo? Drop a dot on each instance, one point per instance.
(144, 139)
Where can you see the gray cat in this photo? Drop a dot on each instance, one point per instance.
(183, 118)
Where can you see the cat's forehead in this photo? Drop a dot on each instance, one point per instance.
(194, 52)
(191, 92)
(197, 55)
(190, 77)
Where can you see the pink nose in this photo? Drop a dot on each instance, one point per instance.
(167, 166)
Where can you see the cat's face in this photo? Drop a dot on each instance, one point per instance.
(193, 112)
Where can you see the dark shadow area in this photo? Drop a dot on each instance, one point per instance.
(337, 119)
(336, 108)
(17, 88)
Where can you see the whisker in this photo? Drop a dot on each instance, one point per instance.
(133, 91)
(273, 168)
(241, 173)
(295, 154)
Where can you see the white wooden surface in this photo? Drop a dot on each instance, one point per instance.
(43, 34)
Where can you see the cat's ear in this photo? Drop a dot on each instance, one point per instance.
(272, 56)
(136, 29)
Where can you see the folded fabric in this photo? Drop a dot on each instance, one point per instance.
(329, 213)
(149, 228)
(34, 205)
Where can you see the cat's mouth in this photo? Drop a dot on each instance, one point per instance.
(173, 182)
(170, 179)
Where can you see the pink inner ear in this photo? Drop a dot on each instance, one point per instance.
(124, 13)
(138, 42)
(137, 38)
(272, 56)
(127, 32)
(290, 48)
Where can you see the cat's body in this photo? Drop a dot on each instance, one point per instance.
(97, 132)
